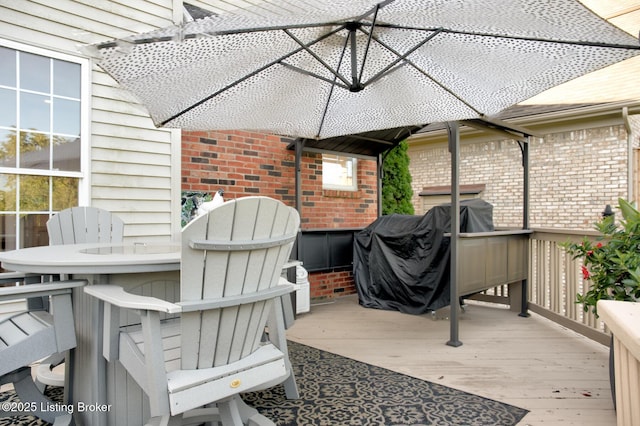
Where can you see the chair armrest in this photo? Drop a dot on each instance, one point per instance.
(38, 290)
(116, 296)
(226, 301)
(11, 277)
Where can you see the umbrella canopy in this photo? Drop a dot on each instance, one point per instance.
(324, 68)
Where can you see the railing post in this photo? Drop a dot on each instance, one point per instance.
(524, 301)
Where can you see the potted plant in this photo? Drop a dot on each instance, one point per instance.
(611, 263)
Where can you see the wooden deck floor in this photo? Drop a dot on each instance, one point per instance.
(559, 376)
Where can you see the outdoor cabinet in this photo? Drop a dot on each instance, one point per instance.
(489, 259)
(327, 249)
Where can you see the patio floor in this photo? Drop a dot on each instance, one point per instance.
(560, 376)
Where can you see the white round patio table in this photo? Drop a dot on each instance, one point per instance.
(98, 390)
(94, 258)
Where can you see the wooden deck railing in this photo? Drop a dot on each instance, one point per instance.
(555, 279)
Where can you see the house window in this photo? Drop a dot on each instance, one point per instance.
(339, 172)
(42, 97)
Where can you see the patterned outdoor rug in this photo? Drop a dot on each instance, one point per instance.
(55, 393)
(338, 391)
(335, 390)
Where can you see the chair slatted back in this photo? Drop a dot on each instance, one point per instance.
(219, 336)
(168, 290)
(85, 225)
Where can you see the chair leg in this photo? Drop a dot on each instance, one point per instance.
(64, 420)
(207, 416)
(164, 421)
(27, 391)
(229, 412)
(259, 420)
(277, 336)
(249, 415)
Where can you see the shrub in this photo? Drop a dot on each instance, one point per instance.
(396, 182)
(611, 263)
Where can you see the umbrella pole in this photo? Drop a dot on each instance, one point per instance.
(453, 130)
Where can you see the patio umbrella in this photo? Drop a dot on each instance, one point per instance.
(324, 68)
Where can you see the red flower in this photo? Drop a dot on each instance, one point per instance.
(585, 273)
(599, 245)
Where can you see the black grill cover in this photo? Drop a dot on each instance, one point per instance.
(401, 262)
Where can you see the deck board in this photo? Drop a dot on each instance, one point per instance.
(560, 376)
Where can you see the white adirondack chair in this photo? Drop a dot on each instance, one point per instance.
(76, 225)
(28, 336)
(232, 260)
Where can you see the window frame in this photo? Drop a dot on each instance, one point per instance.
(85, 108)
(337, 187)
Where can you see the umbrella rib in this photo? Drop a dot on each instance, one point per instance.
(333, 86)
(244, 78)
(187, 36)
(445, 88)
(423, 72)
(401, 57)
(311, 74)
(355, 81)
(515, 37)
(374, 10)
(545, 40)
(147, 40)
(316, 57)
(366, 49)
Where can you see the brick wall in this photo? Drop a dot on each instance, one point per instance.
(497, 164)
(337, 209)
(245, 163)
(573, 175)
(241, 163)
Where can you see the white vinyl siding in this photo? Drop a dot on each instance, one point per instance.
(134, 168)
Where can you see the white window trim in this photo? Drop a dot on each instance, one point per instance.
(84, 187)
(353, 187)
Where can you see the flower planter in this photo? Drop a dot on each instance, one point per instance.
(622, 319)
